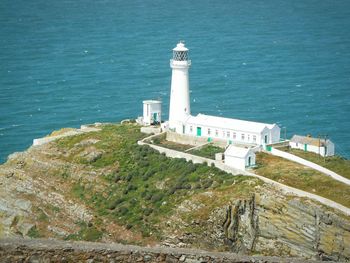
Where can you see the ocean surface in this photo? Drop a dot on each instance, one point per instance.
(66, 63)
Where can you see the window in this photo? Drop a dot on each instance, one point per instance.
(228, 134)
(208, 131)
(223, 134)
(216, 133)
(248, 137)
(242, 136)
(191, 129)
(234, 135)
(254, 138)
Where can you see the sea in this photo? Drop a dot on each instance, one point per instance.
(71, 62)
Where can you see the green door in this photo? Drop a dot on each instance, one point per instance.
(305, 147)
(155, 117)
(249, 161)
(199, 131)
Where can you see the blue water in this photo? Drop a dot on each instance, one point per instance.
(66, 63)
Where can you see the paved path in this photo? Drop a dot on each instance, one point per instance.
(83, 129)
(312, 165)
(220, 165)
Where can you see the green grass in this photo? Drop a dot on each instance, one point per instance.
(142, 186)
(301, 177)
(87, 232)
(34, 233)
(337, 164)
(207, 151)
(161, 141)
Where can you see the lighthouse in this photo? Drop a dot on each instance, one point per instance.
(179, 109)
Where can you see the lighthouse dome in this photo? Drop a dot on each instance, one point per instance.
(180, 47)
(180, 52)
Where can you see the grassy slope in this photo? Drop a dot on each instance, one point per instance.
(141, 187)
(335, 163)
(207, 151)
(301, 177)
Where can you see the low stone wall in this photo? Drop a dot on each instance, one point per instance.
(312, 165)
(192, 140)
(44, 250)
(194, 158)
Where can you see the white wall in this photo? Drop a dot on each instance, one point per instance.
(240, 162)
(236, 162)
(252, 161)
(222, 134)
(195, 159)
(330, 149)
(149, 109)
(179, 108)
(275, 134)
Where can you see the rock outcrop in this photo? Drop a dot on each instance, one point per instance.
(266, 223)
(272, 225)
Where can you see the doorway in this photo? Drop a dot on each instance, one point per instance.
(199, 131)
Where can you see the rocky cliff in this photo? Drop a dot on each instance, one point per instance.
(102, 186)
(266, 223)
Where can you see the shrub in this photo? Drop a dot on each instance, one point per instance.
(34, 233)
(148, 196)
(116, 203)
(131, 187)
(123, 210)
(157, 197)
(117, 178)
(147, 211)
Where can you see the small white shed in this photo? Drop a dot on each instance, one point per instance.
(309, 144)
(239, 157)
(152, 112)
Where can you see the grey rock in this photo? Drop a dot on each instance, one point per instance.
(25, 205)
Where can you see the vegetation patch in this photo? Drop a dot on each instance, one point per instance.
(161, 141)
(207, 151)
(87, 232)
(139, 187)
(301, 177)
(335, 163)
(34, 233)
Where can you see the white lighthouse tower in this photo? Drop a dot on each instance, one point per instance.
(180, 96)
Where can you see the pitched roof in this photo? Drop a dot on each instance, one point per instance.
(237, 151)
(309, 140)
(227, 123)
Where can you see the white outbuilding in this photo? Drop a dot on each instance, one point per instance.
(152, 112)
(239, 157)
(309, 144)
